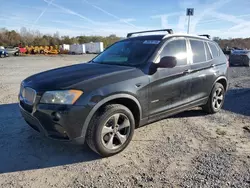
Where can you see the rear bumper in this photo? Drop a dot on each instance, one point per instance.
(237, 63)
(56, 122)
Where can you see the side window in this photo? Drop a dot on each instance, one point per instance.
(209, 56)
(178, 49)
(198, 50)
(214, 50)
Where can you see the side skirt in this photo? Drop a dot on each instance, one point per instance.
(173, 111)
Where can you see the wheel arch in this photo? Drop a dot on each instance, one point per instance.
(125, 99)
(222, 80)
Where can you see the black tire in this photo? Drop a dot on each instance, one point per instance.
(17, 54)
(2, 56)
(248, 64)
(95, 139)
(210, 107)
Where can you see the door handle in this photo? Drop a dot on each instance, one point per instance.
(188, 71)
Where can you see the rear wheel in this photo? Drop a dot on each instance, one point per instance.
(216, 99)
(248, 64)
(111, 130)
(17, 54)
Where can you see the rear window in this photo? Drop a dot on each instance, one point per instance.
(214, 50)
(198, 50)
(240, 52)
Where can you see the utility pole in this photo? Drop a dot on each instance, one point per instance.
(190, 12)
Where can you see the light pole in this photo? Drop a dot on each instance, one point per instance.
(190, 12)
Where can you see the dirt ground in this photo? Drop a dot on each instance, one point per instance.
(191, 149)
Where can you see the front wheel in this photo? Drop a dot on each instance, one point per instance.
(2, 56)
(111, 130)
(216, 99)
(248, 64)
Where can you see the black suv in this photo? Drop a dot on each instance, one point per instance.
(135, 81)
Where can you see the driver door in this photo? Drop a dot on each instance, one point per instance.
(170, 87)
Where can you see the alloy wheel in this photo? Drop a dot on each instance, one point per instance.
(218, 98)
(115, 131)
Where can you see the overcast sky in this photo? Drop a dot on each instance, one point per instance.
(223, 18)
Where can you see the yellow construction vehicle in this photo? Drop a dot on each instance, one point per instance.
(42, 50)
(51, 50)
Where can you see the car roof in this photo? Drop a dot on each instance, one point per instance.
(161, 37)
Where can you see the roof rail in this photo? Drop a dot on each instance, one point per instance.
(205, 35)
(170, 31)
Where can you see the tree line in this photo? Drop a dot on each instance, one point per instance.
(243, 43)
(34, 38)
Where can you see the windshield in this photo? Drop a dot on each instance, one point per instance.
(128, 53)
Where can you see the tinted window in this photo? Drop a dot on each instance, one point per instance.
(128, 52)
(178, 49)
(214, 50)
(198, 50)
(209, 56)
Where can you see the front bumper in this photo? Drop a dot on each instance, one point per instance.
(60, 122)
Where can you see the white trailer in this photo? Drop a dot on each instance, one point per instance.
(77, 49)
(94, 47)
(64, 47)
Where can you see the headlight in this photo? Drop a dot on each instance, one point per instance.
(61, 97)
(2, 52)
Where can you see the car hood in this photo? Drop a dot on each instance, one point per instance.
(66, 77)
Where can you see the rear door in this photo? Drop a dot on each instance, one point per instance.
(202, 65)
(170, 87)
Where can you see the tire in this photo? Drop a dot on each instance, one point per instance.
(210, 106)
(102, 136)
(248, 64)
(2, 56)
(17, 54)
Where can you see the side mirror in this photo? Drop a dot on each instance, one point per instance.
(167, 62)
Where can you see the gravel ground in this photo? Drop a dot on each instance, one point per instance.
(191, 149)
